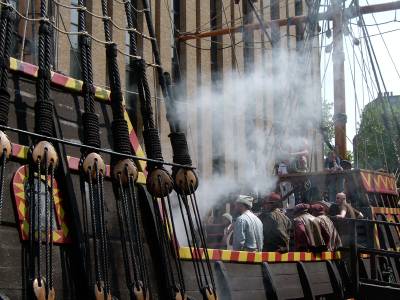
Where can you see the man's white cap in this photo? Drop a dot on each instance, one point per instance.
(227, 216)
(246, 200)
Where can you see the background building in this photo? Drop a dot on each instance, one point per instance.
(197, 66)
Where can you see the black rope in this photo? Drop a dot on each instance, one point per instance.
(195, 207)
(133, 208)
(44, 118)
(144, 94)
(194, 262)
(128, 240)
(175, 246)
(50, 283)
(32, 222)
(47, 225)
(165, 253)
(95, 234)
(91, 129)
(102, 229)
(121, 136)
(6, 33)
(180, 148)
(153, 146)
(121, 221)
(3, 168)
(39, 223)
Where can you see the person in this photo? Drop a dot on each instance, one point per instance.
(345, 210)
(328, 229)
(307, 231)
(228, 231)
(332, 162)
(247, 229)
(334, 183)
(276, 225)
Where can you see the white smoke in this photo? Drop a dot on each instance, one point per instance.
(291, 83)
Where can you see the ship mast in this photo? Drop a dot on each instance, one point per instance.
(339, 92)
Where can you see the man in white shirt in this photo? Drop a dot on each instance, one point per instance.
(248, 228)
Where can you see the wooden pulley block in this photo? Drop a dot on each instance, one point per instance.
(5, 145)
(52, 294)
(125, 168)
(99, 293)
(159, 183)
(186, 181)
(39, 150)
(40, 291)
(140, 294)
(89, 162)
(178, 296)
(210, 294)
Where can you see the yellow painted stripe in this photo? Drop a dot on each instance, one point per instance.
(258, 257)
(138, 151)
(226, 255)
(308, 256)
(296, 256)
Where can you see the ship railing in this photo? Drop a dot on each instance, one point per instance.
(357, 251)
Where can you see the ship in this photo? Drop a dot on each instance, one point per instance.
(87, 209)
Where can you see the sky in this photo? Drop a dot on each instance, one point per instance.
(358, 92)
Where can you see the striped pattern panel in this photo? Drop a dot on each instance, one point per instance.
(259, 257)
(385, 210)
(75, 85)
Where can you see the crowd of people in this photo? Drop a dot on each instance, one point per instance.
(304, 228)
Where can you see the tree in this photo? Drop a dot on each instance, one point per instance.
(375, 145)
(327, 125)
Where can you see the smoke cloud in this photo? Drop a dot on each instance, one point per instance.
(243, 101)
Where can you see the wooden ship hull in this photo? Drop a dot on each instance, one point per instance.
(238, 275)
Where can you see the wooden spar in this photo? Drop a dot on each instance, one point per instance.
(339, 93)
(368, 9)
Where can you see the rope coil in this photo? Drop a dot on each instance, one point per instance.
(180, 148)
(4, 106)
(44, 118)
(153, 145)
(91, 129)
(121, 137)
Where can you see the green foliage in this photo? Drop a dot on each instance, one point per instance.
(375, 146)
(327, 124)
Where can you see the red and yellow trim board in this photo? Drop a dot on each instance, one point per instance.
(21, 152)
(75, 85)
(61, 234)
(379, 183)
(259, 257)
(385, 210)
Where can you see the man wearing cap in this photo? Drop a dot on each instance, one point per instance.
(228, 231)
(276, 225)
(248, 229)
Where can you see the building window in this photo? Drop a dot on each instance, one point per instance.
(75, 70)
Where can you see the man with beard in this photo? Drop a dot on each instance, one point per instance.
(276, 225)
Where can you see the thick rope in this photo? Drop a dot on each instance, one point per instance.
(6, 32)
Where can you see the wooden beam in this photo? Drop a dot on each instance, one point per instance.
(369, 9)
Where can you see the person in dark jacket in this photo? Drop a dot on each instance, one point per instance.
(328, 229)
(307, 230)
(276, 225)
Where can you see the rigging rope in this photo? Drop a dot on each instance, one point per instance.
(6, 27)
(44, 160)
